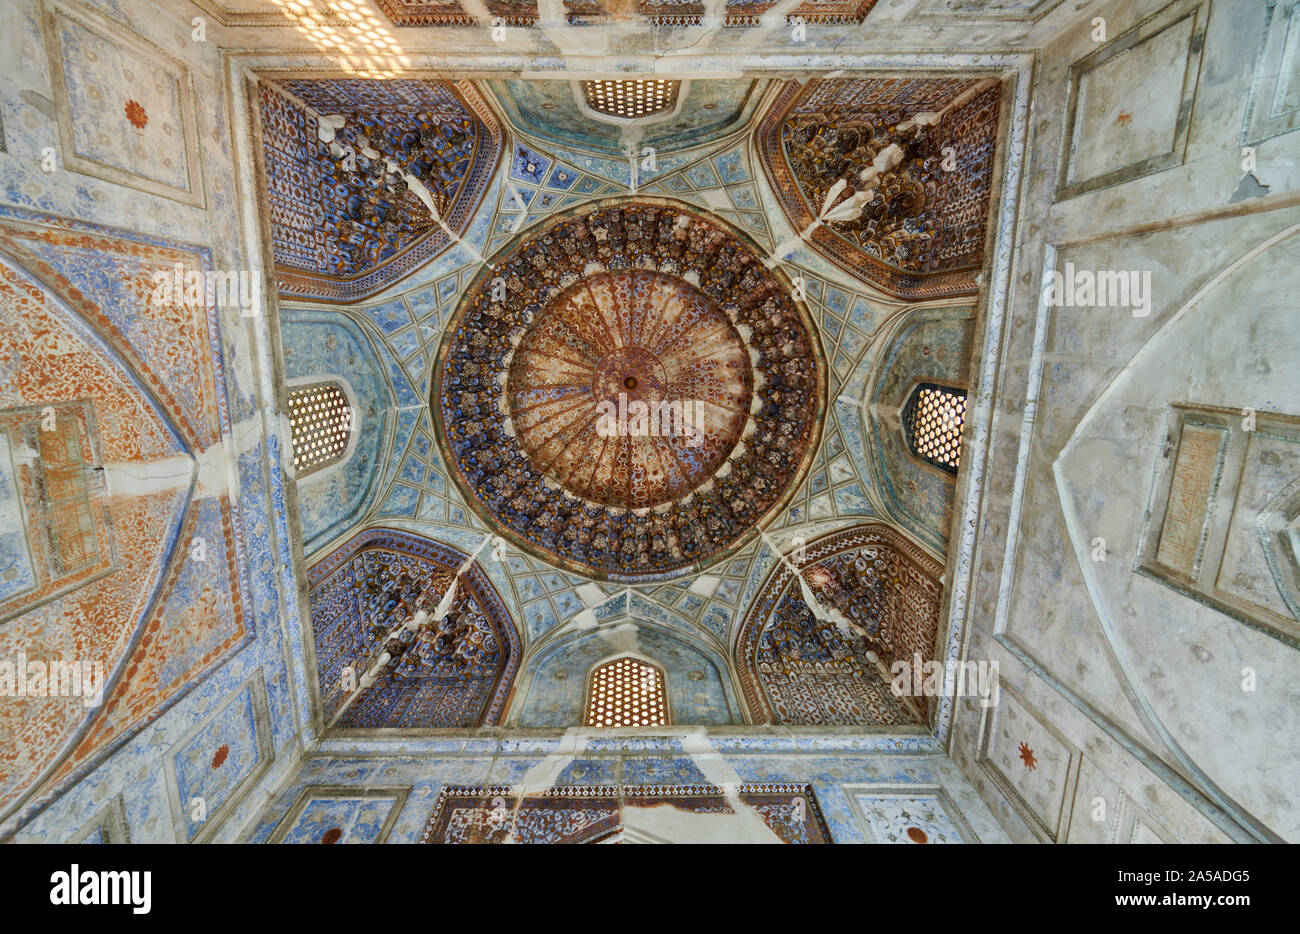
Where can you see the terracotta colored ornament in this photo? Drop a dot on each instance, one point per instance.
(135, 113)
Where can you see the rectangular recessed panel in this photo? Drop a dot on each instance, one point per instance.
(1031, 761)
(69, 522)
(1195, 480)
(1129, 106)
(17, 573)
(1272, 465)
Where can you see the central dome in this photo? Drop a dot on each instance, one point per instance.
(630, 388)
(629, 391)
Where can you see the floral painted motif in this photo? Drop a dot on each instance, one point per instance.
(135, 113)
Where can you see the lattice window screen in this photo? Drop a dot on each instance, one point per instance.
(933, 420)
(631, 99)
(321, 422)
(626, 692)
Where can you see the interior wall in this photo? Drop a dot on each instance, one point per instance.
(1132, 709)
(925, 345)
(322, 346)
(552, 687)
(118, 162)
(863, 788)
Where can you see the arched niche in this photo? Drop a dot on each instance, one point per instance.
(457, 674)
(873, 584)
(553, 688)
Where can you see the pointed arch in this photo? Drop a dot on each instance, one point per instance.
(457, 672)
(878, 596)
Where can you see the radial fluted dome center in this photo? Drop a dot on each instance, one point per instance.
(630, 388)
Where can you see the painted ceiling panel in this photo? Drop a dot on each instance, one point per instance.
(556, 476)
(891, 178)
(362, 174)
(541, 188)
(454, 670)
(94, 401)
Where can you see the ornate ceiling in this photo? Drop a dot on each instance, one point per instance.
(585, 295)
(655, 349)
(666, 12)
(876, 594)
(549, 109)
(454, 671)
(367, 179)
(920, 151)
(646, 306)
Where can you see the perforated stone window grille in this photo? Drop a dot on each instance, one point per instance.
(626, 692)
(631, 99)
(932, 421)
(321, 422)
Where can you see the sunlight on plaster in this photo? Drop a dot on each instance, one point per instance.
(366, 47)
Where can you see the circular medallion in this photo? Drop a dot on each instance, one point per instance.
(629, 392)
(630, 389)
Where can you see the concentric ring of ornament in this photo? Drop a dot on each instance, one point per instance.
(624, 302)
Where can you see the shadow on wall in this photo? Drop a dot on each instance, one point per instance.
(556, 683)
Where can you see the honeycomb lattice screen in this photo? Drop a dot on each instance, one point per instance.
(626, 692)
(321, 421)
(631, 99)
(933, 420)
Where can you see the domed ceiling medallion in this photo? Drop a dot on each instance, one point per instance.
(629, 392)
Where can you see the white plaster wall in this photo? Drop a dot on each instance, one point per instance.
(1141, 685)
